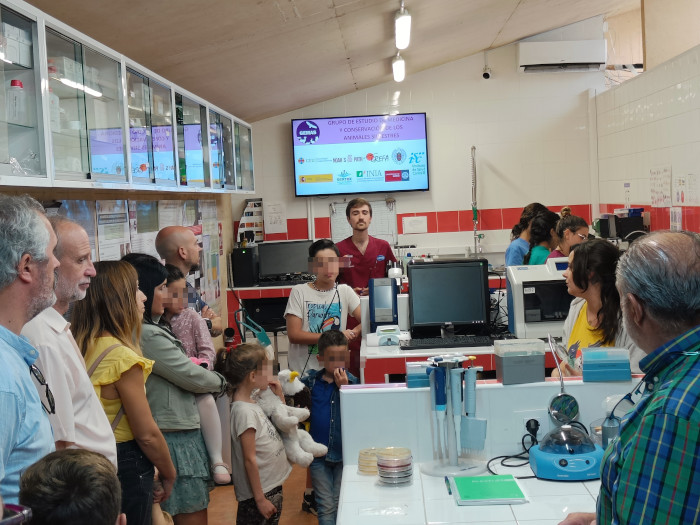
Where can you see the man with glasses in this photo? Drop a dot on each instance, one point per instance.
(79, 420)
(27, 266)
(649, 472)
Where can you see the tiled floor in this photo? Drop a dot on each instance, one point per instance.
(222, 508)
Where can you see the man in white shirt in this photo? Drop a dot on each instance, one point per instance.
(80, 420)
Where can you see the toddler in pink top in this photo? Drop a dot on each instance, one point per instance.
(192, 331)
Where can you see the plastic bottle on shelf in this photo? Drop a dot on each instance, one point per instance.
(54, 111)
(16, 103)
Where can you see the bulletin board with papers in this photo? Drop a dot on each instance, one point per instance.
(383, 224)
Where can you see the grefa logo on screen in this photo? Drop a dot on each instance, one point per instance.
(308, 132)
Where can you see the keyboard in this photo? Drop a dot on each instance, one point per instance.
(457, 341)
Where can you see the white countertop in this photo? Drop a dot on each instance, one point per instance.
(363, 500)
(375, 352)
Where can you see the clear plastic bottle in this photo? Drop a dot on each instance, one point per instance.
(16, 111)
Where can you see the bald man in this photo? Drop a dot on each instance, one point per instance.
(177, 245)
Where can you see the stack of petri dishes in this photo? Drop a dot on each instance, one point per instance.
(367, 461)
(394, 465)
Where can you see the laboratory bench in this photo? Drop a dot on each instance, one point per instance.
(426, 501)
(379, 362)
(392, 415)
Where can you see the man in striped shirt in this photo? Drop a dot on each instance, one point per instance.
(651, 472)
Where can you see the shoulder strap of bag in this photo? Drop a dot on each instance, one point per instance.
(91, 371)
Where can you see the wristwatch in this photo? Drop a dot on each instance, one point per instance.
(208, 321)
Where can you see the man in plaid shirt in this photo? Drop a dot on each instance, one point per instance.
(651, 472)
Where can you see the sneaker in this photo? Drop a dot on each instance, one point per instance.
(308, 504)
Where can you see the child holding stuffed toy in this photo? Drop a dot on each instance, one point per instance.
(324, 385)
(192, 331)
(259, 458)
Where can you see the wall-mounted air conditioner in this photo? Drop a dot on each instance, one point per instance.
(576, 55)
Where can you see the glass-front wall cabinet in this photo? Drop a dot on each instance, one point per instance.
(244, 157)
(21, 120)
(221, 151)
(151, 137)
(193, 156)
(86, 118)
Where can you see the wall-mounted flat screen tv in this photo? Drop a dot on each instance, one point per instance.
(363, 154)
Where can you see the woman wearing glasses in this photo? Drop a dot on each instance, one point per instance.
(106, 325)
(319, 306)
(595, 317)
(571, 230)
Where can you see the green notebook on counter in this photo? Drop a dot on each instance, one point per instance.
(486, 490)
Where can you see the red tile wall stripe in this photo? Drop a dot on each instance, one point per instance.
(489, 219)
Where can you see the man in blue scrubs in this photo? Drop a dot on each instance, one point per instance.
(27, 266)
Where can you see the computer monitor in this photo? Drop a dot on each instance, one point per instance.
(282, 258)
(445, 294)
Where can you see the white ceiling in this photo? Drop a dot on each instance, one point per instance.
(258, 58)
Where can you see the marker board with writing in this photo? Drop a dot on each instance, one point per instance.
(383, 224)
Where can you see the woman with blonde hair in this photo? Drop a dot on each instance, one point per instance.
(107, 326)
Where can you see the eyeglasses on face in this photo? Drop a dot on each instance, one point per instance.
(49, 395)
(582, 237)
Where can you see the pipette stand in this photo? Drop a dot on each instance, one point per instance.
(448, 462)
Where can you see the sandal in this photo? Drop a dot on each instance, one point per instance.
(221, 473)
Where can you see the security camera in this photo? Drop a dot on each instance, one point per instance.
(487, 73)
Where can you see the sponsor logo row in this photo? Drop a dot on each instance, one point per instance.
(398, 156)
(345, 177)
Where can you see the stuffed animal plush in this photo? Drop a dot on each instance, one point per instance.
(298, 444)
(296, 393)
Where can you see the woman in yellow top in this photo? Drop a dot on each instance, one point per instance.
(107, 326)
(595, 317)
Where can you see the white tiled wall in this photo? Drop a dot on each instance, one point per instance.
(650, 121)
(531, 133)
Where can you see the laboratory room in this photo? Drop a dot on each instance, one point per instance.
(461, 241)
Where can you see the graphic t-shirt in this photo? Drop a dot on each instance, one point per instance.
(319, 312)
(583, 336)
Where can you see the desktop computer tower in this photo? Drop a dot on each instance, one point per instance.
(244, 262)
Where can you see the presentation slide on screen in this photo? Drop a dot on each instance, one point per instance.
(107, 151)
(140, 165)
(381, 153)
(194, 155)
(163, 152)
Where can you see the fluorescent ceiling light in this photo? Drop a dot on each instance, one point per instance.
(402, 28)
(398, 65)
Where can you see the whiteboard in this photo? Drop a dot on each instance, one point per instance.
(383, 224)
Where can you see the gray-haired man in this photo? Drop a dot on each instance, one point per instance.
(27, 266)
(650, 473)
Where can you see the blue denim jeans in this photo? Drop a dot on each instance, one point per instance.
(325, 479)
(136, 478)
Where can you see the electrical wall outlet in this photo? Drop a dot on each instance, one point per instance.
(542, 417)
